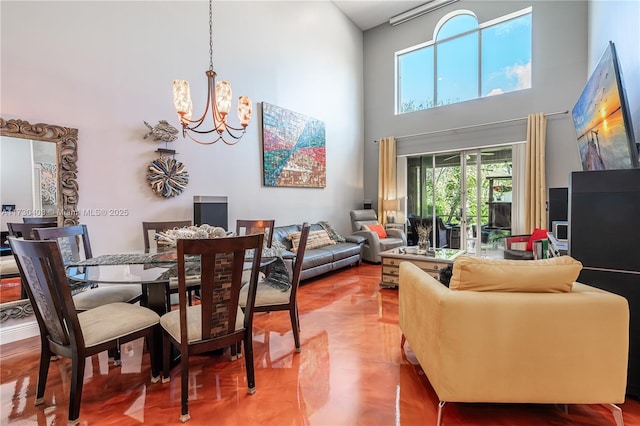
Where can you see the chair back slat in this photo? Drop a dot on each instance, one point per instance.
(70, 240)
(27, 230)
(221, 265)
(41, 268)
(248, 227)
(41, 219)
(297, 267)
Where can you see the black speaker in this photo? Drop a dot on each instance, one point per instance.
(210, 210)
(557, 205)
(366, 204)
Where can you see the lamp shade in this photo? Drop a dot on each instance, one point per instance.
(392, 205)
(223, 97)
(182, 99)
(244, 110)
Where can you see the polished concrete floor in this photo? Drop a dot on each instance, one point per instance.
(351, 371)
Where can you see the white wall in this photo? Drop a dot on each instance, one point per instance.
(105, 67)
(558, 68)
(617, 21)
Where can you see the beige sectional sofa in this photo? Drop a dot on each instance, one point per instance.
(526, 341)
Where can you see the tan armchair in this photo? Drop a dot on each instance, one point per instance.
(507, 346)
(374, 244)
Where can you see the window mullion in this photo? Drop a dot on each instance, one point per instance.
(479, 64)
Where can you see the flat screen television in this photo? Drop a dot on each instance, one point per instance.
(602, 120)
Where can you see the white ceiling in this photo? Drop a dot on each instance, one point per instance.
(371, 13)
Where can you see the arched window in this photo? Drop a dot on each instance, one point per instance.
(465, 60)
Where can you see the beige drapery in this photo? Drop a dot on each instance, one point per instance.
(386, 174)
(536, 185)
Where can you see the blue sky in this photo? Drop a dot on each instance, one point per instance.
(505, 57)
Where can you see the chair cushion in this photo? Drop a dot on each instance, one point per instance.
(106, 293)
(315, 239)
(389, 243)
(114, 320)
(378, 229)
(316, 257)
(342, 250)
(265, 295)
(555, 275)
(171, 323)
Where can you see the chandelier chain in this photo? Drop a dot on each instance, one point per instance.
(211, 35)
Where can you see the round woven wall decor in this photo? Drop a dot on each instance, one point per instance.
(167, 177)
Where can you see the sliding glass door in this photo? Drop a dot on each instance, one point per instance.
(468, 193)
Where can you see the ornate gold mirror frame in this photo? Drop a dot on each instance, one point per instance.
(66, 140)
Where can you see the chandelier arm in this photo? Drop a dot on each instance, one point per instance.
(220, 138)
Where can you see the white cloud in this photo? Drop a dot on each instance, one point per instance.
(522, 73)
(496, 91)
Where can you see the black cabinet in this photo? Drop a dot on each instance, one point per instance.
(211, 210)
(604, 234)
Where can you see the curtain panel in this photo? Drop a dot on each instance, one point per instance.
(386, 174)
(536, 185)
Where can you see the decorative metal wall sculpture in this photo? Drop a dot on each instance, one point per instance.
(168, 177)
(163, 131)
(294, 151)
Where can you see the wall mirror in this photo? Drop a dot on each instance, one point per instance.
(39, 178)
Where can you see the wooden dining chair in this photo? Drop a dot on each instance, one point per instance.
(160, 227)
(270, 298)
(248, 227)
(71, 334)
(218, 321)
(155, 227)
(75, 246)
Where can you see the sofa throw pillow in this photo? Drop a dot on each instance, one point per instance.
(555, 275)
(378, 229)
(537, 234)
(331, 232)
(279, 245)
(314, 240)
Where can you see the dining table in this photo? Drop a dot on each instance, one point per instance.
(152, 270)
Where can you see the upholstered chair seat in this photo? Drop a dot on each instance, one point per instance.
(113, 321)
(266, 295)
(106, 293)
(171, 323)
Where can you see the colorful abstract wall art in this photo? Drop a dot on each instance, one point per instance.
(294, 149)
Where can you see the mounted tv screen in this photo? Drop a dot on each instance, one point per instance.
(602, 120)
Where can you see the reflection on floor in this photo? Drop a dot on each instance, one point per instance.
(351, 371)
(9, 289)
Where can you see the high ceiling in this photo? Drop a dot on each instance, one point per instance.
(367, 14)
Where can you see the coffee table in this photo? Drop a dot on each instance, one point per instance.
(431, 262)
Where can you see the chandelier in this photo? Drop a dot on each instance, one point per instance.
(218, 105)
